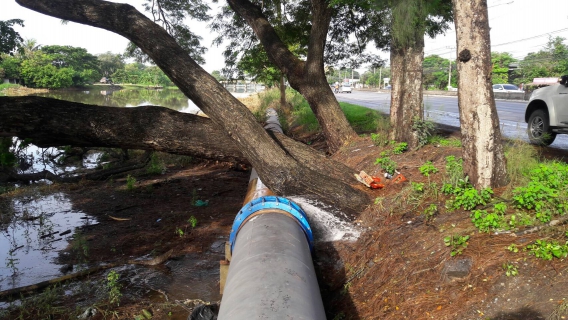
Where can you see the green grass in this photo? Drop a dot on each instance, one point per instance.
(363, 120)
(7, 86)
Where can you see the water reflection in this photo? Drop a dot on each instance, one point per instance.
(33, 231)
(134, 97)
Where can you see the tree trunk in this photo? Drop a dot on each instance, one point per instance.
(282, 173)
(406, 95)
(484, 161)
(51, 122)
(307, 77)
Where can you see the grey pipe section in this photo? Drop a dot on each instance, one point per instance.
(271, 275)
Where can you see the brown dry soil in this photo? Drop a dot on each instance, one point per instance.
(397, 269)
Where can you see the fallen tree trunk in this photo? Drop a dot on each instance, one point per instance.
(281, 172)
(51, 122)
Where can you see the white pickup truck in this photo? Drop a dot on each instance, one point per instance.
(547, 113)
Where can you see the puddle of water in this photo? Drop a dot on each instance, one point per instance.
(31, 241)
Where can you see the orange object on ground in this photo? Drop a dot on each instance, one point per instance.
(398, 179)
(375, 185)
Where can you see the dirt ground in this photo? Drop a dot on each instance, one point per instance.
(399, 268)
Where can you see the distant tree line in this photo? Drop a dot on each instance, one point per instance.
(55, 66)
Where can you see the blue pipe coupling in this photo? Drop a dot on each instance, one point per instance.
(271, 202)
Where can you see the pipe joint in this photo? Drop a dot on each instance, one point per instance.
(271, 202)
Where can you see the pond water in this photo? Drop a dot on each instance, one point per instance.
(33, 231)
(134, 97)
(126, 97)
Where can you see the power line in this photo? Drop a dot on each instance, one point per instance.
(538, 36)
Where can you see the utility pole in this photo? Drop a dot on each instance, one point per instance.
(450, 70)
(380, 77)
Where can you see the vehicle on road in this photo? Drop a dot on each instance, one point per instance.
(345, 87)
(547, 113)
(506, 88)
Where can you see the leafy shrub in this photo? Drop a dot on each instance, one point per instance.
(417, 186)
(547, 250)
(457, 243)
(400, 148)
(469, 197)
(386, 164)
(485, 221)
(423, 129)
(428, 168)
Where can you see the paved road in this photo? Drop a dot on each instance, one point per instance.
(444, 110)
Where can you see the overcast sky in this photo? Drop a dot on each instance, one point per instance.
(517, 26)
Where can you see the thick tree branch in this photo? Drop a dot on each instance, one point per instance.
(321, 18)
(284, 174)
(277, 51)
(51, 122)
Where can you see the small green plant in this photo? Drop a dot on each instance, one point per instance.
(155, 166)
(469, 198)
(418, 186)
(500, 208)
(192, 221)
(485, 221)
(180, 232)
(444, 142)
(427, 169)
(387, 164)
(454, 171)
(423, 129)
(400, 148)
(130, 182)
(80, 246)
(513, 248)
(113, 287)
(457, 243)
(547, 250)
(447, 189)
(510, 269)
(430, 211)
(378, 139)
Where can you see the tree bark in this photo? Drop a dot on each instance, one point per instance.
(484, 160)
(282, 173)
(406, 94)
(51, 122)
(307, 77)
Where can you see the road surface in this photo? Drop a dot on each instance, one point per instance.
(444, 110)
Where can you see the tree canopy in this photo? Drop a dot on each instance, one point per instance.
(10, 40)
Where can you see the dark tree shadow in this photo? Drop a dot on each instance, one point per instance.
(524, 313)
(332, 279)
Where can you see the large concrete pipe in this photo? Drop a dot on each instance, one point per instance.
(271, 274)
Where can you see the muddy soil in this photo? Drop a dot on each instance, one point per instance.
(399, 268)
